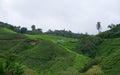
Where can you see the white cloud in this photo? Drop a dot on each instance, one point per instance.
(76, 15)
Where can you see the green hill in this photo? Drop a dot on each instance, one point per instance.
(113, 32)
(55, 55)
(107, 60)
(109, 51)
(47, 56)
(43, 52)
(7, 34)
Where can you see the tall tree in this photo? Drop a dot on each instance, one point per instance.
(111, 26)
(33, 27)
(98, 25)
(23, 30)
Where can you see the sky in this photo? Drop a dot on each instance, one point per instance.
(79, 16)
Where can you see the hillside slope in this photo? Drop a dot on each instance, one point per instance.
(7, 34)
(54, 55)
(109, 51)
(45, 55)
(76, 60)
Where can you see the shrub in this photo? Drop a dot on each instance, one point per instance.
(9, 67)
(88, 45)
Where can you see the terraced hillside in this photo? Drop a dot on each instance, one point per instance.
(55, 55)
(44, 54)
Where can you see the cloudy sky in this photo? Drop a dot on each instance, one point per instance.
(76, 15)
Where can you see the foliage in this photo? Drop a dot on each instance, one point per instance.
(9, 67)
(23, 30)
(7, 34)
(111, 64)
(109, 51)
(64, 33)
(33, 27)
(114, 32)
(90, 64)
(111, 26)
(88, 45)
(51, 57)
(69, 43)
(48, 56)
(95, 70)
(34, 30)
(9, 26)
(43, 52)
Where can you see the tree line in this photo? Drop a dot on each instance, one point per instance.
(34, 30)
(112, 33)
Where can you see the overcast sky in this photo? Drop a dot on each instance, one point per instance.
(76, 15)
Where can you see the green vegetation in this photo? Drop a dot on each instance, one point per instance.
(68, 42)
(24, 30)
(67, 60)
(7, 34)
(114, 32)
(88, 45)
(8, 66)
(109, 51)
(46, 54)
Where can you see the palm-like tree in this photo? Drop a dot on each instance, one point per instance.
(98, 25)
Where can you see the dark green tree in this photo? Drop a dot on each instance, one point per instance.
(88, 45)
(111, 26)
(33, 27)
(64, 33)
(23, 30)
(39, 30)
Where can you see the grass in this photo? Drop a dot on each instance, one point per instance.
(47, 56)
(69, 43)
(109, 46)
(43, 52)
(111, 63)
(7, 34)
